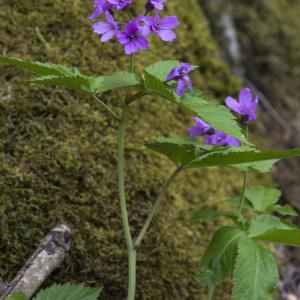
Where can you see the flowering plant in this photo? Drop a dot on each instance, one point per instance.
(234, 250)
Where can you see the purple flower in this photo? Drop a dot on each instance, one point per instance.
(131, 39)
(120, 4)
(245, 107)
(201, 128)
(221, 139)
(155, 4)
(180, 74)
(107, 29)
(163, 27)
(101, 6)
(144, 24)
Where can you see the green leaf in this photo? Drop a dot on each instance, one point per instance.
(215, 114)
(206, 214)
(118, 80)
(43, 69)
(16, 296)
(290, 237)
(255, 273)
(285, 210)
(71, 77)
(68, 291)
(79, 82)
(262, 198)
(220, 255)
(161, 69)
(263, 223)
(154, 86)
(187, 153)
(239, 155)
(236, 203)
(261, 166)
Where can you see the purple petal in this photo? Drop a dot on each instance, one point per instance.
(109, 17)
(180, 87)
(107, 36)
(95, 15)
(195, 131)
(144, 24)
(187, 67)
(123, 38)
(245, 97)
(233, 105)
(173, 74)
(142, 43)
(231, 141)
(131, 48)
(131, 28)
(166, 35)
(168, 23)
(101, 27)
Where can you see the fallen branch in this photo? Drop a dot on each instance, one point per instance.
(49, 255)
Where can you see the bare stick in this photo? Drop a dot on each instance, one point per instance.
(49, 255)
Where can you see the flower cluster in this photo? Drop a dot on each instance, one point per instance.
(211, 135)
(245, 107)
(133, 35)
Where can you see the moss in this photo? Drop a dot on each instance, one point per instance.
(58, 155)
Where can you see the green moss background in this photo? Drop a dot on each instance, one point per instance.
(58, 154)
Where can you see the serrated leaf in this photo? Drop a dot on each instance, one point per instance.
(285, 210)
(79, 82)
(237, 155)
(263, 223)
(215, 114)
(289, 237)
(186, 153)
(236, 203)
(43, 69)
(71, 77)
(68, 291)
(261, 166)
(220, 255)
(16, 296)
(255, 273)
(262, 198)
(206, 214)
(161, 69)
(105, 83)
(154, 86)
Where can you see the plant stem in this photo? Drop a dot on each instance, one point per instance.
(242, 201)
(211, 291)
(106, 107)
(155, 207)
(124, 214)
(245, 181)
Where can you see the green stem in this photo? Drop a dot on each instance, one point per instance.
(156, 207)
(242, 201)
(106, 107)
(124, 214)
(245, 182)
(211, 291)
(135, 97)
(131, 64)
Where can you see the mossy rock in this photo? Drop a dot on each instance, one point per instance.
(58, 155)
